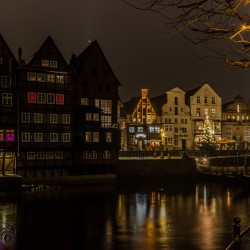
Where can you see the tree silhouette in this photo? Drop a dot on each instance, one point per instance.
(205, 21)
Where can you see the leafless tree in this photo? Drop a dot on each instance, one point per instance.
(221, 26)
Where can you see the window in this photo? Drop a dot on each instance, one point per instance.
(9, 135)
(53, 118)
(31, 76)
(66, 137)
(176, 110)
(104, 105)
(198, 112)
(38, 118)
(25, 117)
(95, 136)
(140, 129)
(41, 77)
(84, 101)
(157, 130)
(25, 136)
(131, 129)
(228, 131)
(184, 130)
(169, 141)
(95, 117)
(38, 137)
(51, 78)
(40, 155)
(247, 133)
(31, 155)
(106, 121)
(53, 64)
(49, 155)
(7, 99)
(108, 137)
(213, 112)
(176, 100)
(88, 117)
(58, 155)
(45, 63)
(176, 130)
(1, 135)
(151, 130)
(106, 155)
(60, 79)
(213, 100)
(66, 118)
(90, 155)
(5, 81)
(168, 128)
(205, 111)
(41, 98)
(88, 136)
(199, 125)
(59, 98)
(53, 137)
(176, 141)
(31, 97)
(217, 127)
(51, 98)
(205, 99)
(198, 99)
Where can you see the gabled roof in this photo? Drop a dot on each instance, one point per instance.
(9, 50)
(85, 55)
(157, 103)
(190, 93)
(48, 51)
(129, 107)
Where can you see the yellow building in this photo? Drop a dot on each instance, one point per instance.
(236, 123)
(204, 102)
(176, 122)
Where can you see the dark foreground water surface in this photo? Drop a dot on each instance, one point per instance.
(128, 216)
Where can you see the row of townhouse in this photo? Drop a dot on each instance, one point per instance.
(57, 118)
(176, 120)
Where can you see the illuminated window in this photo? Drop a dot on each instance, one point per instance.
(198, 112)
(41, 77)
(95, 117)
(53, 137)
(106, 121)
(104, 105)
(90, 155)
(213, 112)
(38, 137)
(58, 155)
(59, 98)
(31, 76)
(25, 117)
(108, 137)
(31, 97)
(60, 79)
(31, 155)
(51, 78)
(131, 129)
(53, 118)
(95, 136)
(49, 155)
(40, 155)
(53, 64)
(106, 155)
(88, 117)
(140, 129)
(205, 111)
(169, 141)
(84, 101)
(157, 130)
(5, 81)
(238, 108)
(51, 98)
(25, 136)
(45, 63)
(66, 137)
(7, 99)
(10, 135)
(88, 136)
(247, 133)
(66, 118)
(41, 98)
(38, 118)
(1, 135)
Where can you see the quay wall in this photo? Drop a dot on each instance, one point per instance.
(163, 168)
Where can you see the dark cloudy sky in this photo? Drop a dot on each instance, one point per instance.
(140, 55)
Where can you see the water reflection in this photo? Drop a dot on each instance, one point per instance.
(163, 216)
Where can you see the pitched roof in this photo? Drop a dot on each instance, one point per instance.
(157, 103)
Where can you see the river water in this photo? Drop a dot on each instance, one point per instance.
(126, 216)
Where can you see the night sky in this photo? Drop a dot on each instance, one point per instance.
(140, 54)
